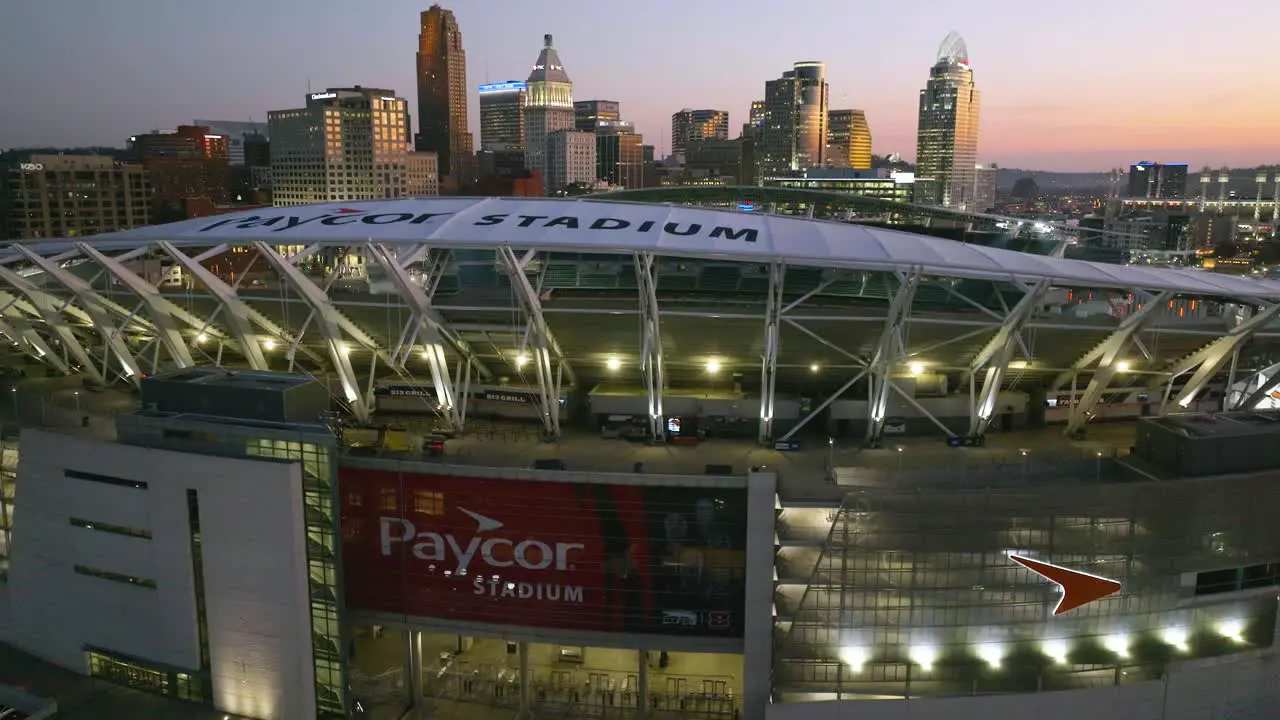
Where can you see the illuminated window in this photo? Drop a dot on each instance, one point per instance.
(389, 499)
(428, 503)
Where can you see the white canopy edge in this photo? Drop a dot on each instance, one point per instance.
(597, 226)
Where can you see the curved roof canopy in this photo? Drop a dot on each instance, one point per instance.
(608, 227)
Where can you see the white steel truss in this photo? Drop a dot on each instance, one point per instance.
(651, 357)
(53, 319)
(772, 344)
(330, 327)
(163, 313)
(544, 345)
(996, 355)
(1207, 361)
(1254, 389)
(427, 331)
(889, 352)
(15, 325)
(1107, 355)
(99, 310)
(237, 313)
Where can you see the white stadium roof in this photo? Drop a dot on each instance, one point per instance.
(608, 227)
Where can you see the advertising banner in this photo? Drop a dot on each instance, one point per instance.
(612, 558)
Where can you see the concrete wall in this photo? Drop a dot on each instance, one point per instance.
(1239, 687)
(254, 569)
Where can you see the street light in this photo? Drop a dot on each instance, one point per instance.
(77, 395)
(13, 392)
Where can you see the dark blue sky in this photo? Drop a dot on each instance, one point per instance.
(1085, 85)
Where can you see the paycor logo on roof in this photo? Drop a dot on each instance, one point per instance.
(348, 216)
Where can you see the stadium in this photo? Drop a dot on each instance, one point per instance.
(738, 453)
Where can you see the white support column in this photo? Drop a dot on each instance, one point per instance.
(889, 351)
(98, 308)
(1108, 353)
(53, 319)
(162, 312)
(427, 332)
(236, 311)
(651, 356)
(330, 326)
(543, 343)
(16, 326)
(1255, 389)
(1209, 359)
(772, 343)
(997, 353)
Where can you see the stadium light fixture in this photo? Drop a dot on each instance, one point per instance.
(521, 360)
(924, 656)
(1117, 644)
(916, 368)
(269, 345)
(201, 338)
(613, 363)
(1056, 650)
(855, 657)
(1123, 366)
(713, 366)
(1176, 638)
(991, 654)
(814, 368)
(1232, 630)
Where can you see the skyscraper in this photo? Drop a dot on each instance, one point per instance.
(548, 106)
(1157, 180)
(694, 126)
(848, 140)
(502, 116)
(947, 136)
(793, 136)
(442, 95)
(346, 144)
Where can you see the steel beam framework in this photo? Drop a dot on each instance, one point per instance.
(1208, 360)
(238, 315)
(651, 357)
(544, 346)
(54, 320)
(163, 313)
(996, 355)
(427, 332)
(15, 325)
(772, 345)
(1108, 356)
(330, 327)
(890, 351)
(99, 310)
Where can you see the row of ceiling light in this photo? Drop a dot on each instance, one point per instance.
(1057, 650)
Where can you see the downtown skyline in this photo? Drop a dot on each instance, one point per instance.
(1066, 93)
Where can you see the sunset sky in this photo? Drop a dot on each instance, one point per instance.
(1087, 85)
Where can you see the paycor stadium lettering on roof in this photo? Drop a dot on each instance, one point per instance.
(282, 223)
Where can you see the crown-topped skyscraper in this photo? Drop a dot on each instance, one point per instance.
(548, 105)
(947, 136)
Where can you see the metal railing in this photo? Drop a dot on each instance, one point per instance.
(586, 693)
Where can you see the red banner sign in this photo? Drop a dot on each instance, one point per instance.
(620, 558)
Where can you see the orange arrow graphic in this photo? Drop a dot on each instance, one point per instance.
(1078, 588)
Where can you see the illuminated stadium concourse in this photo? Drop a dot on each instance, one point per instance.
(599, 458)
